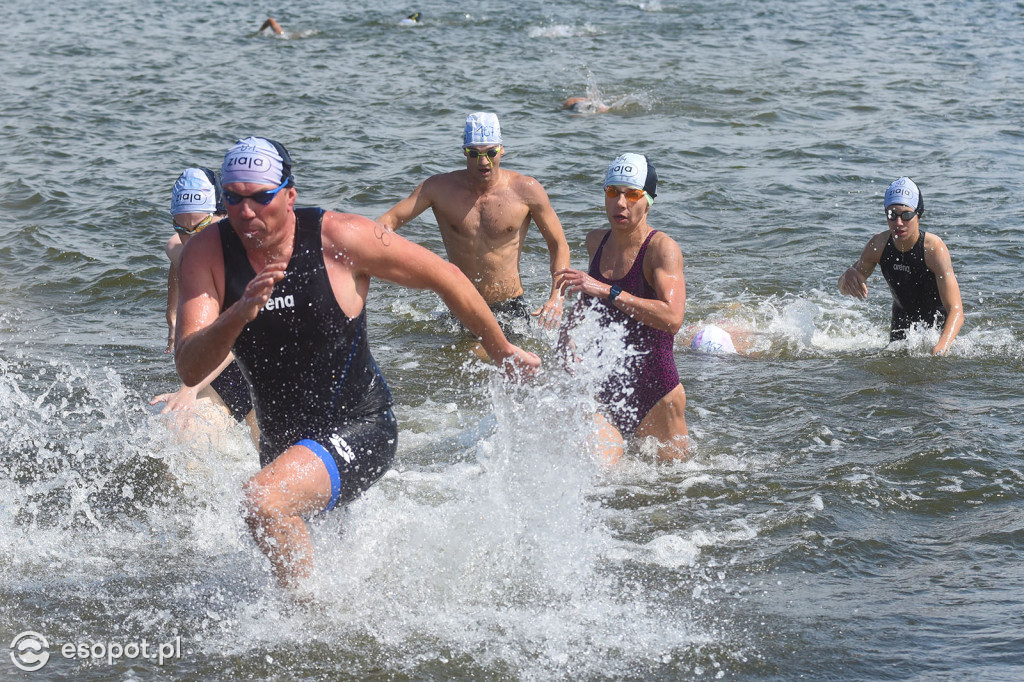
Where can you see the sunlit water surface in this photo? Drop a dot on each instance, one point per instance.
(852, 509)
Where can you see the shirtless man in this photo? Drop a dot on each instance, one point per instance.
(285, 289)
(483, 213)
(915, 264)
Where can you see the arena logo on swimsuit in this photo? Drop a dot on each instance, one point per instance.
(280, 302)
(902, 267)
(342, 448)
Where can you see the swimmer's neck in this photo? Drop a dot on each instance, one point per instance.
(483, 184)
(626, 236)
(907, 241)
(278, 248)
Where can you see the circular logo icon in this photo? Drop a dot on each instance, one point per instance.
(30, 650)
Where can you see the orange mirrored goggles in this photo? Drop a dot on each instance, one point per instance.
(632, 195)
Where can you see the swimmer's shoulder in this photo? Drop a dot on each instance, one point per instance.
(439, 183)
(594, 238)
(933, 241)
(204, 249)
(873, 249)
(525, 186)
(585, 105)
(663, 241)
(346, 235)
(662, 251)
(936, 255)
(519, 182)
(173, 248)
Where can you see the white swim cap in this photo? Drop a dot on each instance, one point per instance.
(712, 339)
(195, 191)
(633, 170)
(481, 128)
(906, 192)
(256, 159)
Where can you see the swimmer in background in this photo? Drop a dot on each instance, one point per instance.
(916, 266)
(714, 339)
(585, 105)
(272, 24)
(195, 204)
(483, 213)
(411, 20)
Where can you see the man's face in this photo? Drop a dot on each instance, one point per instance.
(483, 159)
(258, 211)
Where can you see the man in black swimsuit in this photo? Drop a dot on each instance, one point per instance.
(915, 264)
(285, 290)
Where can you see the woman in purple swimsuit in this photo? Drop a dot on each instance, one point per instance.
(636, 274)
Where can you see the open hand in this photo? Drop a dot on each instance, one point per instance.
(182, 399)
(573, 281)
(550, 313)
(521, 364)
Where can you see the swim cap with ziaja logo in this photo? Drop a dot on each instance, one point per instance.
(713, 339)
(257, 160)
(633, 170)
(195, 191)
(905, 192)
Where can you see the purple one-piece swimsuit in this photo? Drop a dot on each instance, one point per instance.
(628, 396)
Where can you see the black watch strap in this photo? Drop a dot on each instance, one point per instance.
(615, 291)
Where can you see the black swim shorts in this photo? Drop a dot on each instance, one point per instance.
(356, 453)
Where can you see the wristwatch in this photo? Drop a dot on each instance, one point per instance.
(615, 291)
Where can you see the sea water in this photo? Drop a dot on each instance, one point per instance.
(851, 510)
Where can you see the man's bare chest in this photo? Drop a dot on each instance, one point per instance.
(487, 217)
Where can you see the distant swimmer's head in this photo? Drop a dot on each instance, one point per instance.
(712, 339)
(482, 129)
(585, 105)
(635, 171)
(413, 18)
(196, 190)
(905, 192)
(257, 160)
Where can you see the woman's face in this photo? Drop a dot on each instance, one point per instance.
(626, 206)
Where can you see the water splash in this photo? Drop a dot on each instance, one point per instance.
(498, 554)
(500, 557)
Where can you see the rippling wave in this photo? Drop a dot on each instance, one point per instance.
(851, 509)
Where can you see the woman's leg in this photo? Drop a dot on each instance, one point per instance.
(666, 421)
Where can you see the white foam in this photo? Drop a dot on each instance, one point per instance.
(562, 31)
